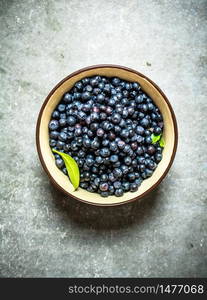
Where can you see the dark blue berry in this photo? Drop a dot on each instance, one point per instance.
(104, 152)
(71, 121)
(133, 187)
(62, 136)
(53, 143)
(104, 186)
(157, 130)
(59, 163)
(53, 125)
(61, 108)
(85, 96)
(119, 192)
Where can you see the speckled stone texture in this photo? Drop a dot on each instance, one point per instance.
(43, 234)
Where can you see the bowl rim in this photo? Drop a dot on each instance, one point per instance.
(98, 67)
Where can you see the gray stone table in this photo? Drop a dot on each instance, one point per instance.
(43, 234)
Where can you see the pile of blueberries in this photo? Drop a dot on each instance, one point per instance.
(106, 124)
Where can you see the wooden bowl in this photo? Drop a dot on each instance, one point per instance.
(170, 134)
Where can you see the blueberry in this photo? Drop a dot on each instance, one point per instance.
(111, 190)
(136, 86)
(62, 136)
(144, 122)
(79, 85)
(55, 114)
(95, 144)
(78, 132)
(71, 121)
(104, 152)
(63, 122)
(117, 164)
(85, 96)
(134, 146)
(95, 170)
(104, 194)
(117, 129)
(107, 88)
(85, 81)
(139, 130)
(94, 126)
(104, 177)
(101, 85)
(88, 88)
(105, 142)
(148, 140)
(157, 130)
(151, 107)
(116, 118)
(117, 172)
(151, 165)
(121, 144)
(89, 162)
(107, 125)
(54, 134)
(86, 143)
(159, 149)
(124, 169)
(113, 146)
(127, 149)
(81, 115)
(117, 184)
(84, 185)
(111, 136)
(103, 116)
(60, 145)
(114, 158)
(124, 133)
(119, 192)
(148, 172)
(134, 163)
(158, 157)
(100, 98)
(53, 143)
(53, 125)
(59, 163)
(112, 178)
(76, 96)
(126, 186)
(115, 81)
(100, 132)
(93, 133)
(109, 110)
(131, 176)
(74, 146)
(67, 98)
(97, 181)
(70, 135)
(94, 116)
(94, 82)
(91, 189)
(133, 187)
(104, 186)
(127, 160)
(61, 107)
(151, 150)
(139, 99)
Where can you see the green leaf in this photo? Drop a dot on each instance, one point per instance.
(72, 168)
(162, 142)
(155, 138)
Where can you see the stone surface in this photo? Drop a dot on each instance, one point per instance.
(42, 233)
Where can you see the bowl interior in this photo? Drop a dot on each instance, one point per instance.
(47, 157)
